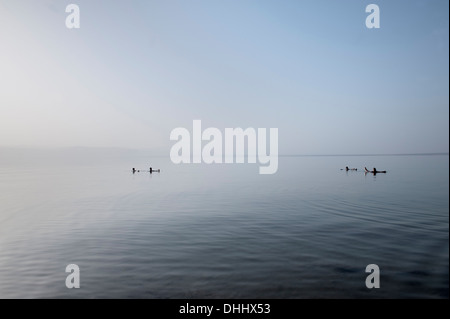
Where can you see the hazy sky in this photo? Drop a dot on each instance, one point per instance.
(135, 70)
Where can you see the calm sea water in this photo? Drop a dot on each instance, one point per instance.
(223, 231)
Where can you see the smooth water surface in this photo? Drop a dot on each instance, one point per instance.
(223, 231)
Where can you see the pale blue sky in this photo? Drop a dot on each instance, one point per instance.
(138, 69)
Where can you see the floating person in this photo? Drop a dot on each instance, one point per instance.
(374, 171)
(151, 170)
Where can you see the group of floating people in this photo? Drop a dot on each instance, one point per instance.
(151, 170)
(374, 171)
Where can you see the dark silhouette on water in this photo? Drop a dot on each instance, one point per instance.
(150, 171)
(374, 171)
(348, 169)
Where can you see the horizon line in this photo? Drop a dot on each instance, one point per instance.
(380, 154)
(280, 155)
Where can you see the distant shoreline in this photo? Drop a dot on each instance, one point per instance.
(335, 155)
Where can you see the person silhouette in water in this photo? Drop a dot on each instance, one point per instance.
(374, 171)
